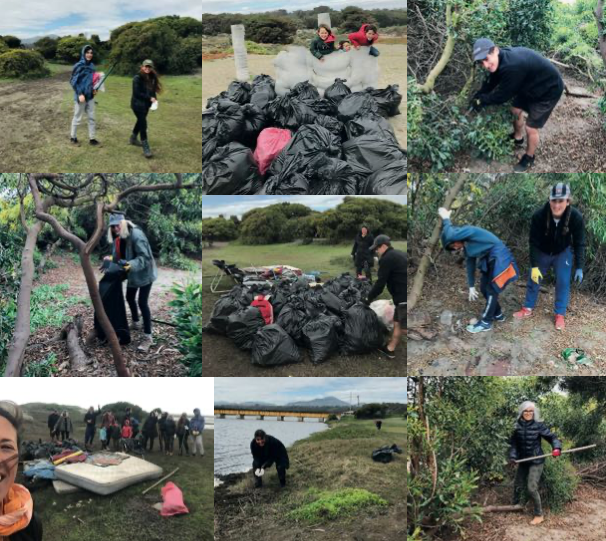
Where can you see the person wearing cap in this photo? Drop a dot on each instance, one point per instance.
(532, 81)
(361, 253)
(392, 273)
(485, 251)
(146, 86)
(131, 249)
(556, 229)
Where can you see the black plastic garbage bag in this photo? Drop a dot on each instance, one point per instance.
(243, 325)
(263, 91)
(231, 170)
(331, 176)
(374, 125)
(321, 337)
(363, 332)
(385, 454)
(290, 113)
(321, 106)
(388, 99)
(332, 124)
(239, 92)
(357, 104)
(288, 181)
(210, 102)
(223, 308)
(304, 91)
(391, 180)
(224, 121)
(371, 153)
(332, 301)
(209, 124)
(308, 141)
(208, 149)
(254, 122)
(278, 299)
(263, 80)
(350, 295)
(292, 320)
(110, 290)
(337, 91)
(273, 346)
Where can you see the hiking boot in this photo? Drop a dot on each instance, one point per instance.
(523, 313)
(94, 142)
(146, 150)
(74, 141)
(146, 343)
(559, 322)
(524, 164)
(500, 318)
(537, 520)
(516, 142)
(389, 354)
(134, 140)
(480, 326)
(137, 325)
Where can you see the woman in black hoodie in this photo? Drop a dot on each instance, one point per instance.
(361, 253)
(146, 84)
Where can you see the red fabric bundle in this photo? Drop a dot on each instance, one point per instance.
(173, 501)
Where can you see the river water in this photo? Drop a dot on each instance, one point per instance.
(233, 437)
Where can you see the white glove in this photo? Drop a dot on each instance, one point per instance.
(473, 294)
(259, 472)
(444, 214)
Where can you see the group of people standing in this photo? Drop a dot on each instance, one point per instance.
(126, 432)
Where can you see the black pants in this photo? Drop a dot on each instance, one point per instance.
(364, 265)
(491, 294)
(64, 435)
(131, 293)
(169, 441)
(183, 442)
(280, 468)
(162, 440)
(90, 435)
(141, 125)
(151, 439)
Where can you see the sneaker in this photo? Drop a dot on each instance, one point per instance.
(517, 142)
(387, 353)
(74, 141)
(146, 343)
(480, 326)
(137, 325)
(94, 142)
(559, 322)
(523, 313)
(524, 164)
(500, 318)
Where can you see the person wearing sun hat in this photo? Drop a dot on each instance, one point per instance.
(146, 86)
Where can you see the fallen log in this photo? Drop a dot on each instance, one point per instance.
(71, 333)
(501, 508)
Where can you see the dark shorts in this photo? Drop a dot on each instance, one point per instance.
(401, 314)
(538, 111)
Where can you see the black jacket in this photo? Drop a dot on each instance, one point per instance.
(33, 532)
(272, 451)
(171, 427)
(392, 272)
(526, 440)
(550, 239)
(52, 420)
(150, 427)
(141, 99)
(92, 417)
(361, 248)
(525, 73)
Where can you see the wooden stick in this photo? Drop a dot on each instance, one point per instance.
(577, 449)
(158, 482)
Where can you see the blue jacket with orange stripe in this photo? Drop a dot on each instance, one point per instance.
(481, 248)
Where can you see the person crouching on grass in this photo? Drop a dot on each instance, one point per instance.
(491, 256)
(323, 43)
(146, 86)
(84, 94)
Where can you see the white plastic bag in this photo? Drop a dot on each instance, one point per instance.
(385, 310)
(154, 106)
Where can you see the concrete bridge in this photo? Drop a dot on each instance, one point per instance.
(261, 414)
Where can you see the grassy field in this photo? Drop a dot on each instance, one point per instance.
(127, 515)
(323, 466)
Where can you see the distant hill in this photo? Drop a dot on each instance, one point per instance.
(31, 41)
(330, 401)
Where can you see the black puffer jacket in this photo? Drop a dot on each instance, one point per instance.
(361, 249)
(526, 440)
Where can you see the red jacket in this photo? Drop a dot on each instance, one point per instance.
(127, 431)
(265, 307)
(359, 37)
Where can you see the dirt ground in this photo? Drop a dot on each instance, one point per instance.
(514, 347)
(584, 519)
(162, 360)
(572, 141)
(219, 73)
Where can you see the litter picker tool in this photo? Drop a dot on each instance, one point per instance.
(575, 450)
(107, 74)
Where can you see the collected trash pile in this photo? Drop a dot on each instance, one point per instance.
(386, 454)
(274, 320)
(30, 450)
(254, 142)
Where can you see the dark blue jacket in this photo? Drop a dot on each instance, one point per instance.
(525, 441)
(82, 77)
(481, 249)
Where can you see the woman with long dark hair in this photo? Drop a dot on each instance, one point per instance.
(146, 85)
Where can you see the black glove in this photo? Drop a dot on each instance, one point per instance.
(476, 104)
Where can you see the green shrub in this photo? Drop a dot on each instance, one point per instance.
(69, 49)
(264, 29)
(41, 369)
(47, 47)
(3, 46)
(188, 317)
(558, 483)
(22, 64)
(187, 55)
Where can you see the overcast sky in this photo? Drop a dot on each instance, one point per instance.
(29, 18)
(284, 390)
(242, 6)
(237, 205)
(175, 395)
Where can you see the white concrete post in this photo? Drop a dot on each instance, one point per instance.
(324, 18)
(240, 58)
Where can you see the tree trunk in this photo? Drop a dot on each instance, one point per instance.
(430, 82)
(22, 324)
(48, 253)
(417, 286)
(71, 333)
(599, 15)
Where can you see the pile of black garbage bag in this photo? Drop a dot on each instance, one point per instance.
(386, 454)
(325, 320)
(341, 144)
(31, 450)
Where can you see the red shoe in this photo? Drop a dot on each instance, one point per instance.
(523, 313)
(559, 322)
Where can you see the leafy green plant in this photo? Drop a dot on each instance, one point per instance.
(41, 369)
(188, 317)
